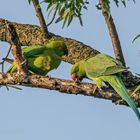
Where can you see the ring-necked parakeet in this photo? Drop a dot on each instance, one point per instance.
(41, 59)
(104, 68)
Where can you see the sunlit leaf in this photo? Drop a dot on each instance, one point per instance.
(65, 19)
(80, 19)
(69, 20)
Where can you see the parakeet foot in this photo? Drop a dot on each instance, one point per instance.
(119, 101)
(77, 82)
(96, 88)
(27, 78)
(102, 93)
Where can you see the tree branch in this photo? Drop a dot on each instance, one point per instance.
(40, 16)
(63, 86)
(113, 34)
(31, 34)
(16, 49)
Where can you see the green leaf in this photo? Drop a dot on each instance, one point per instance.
(58, 19)
(61, 13)
(49, 6)
(29, 1)
(116, 2)
(69, 20)
(136, 38)
(47, 1)
(65, 19)
(51, 10)
(124, 3)
(80, 19)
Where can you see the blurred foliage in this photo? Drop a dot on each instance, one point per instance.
(67, 10)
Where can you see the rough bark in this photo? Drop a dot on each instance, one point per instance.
(64, 86)
(32, 34)
(16, 50)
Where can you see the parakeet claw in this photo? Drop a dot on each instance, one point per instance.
(96, 88)
(133, 95)
(27, 78)
(77, 82)
(24, 62)
(119, 101)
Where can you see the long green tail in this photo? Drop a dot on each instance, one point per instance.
(118, 85)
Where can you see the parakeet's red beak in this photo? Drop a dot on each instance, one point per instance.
(74, 77)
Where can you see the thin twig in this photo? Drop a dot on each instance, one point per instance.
(2, 63)
(15, 87)
(10, 61)
(11, 86)
(40, 16)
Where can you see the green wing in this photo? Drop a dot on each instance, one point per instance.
(102, 65)
(44, 63)
(33, 50)
(29, 51)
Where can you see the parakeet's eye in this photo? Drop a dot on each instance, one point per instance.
(74, 77)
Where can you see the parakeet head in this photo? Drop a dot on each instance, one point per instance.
(59, 47)
(78, 71)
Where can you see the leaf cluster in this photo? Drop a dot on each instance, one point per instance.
(67, 10)
(106, 4)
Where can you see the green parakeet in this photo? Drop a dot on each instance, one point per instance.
(41, 59)
(104, 68)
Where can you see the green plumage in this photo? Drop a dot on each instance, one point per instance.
(41, 59)
(104, 68)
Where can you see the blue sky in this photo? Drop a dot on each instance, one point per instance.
(43, 114)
